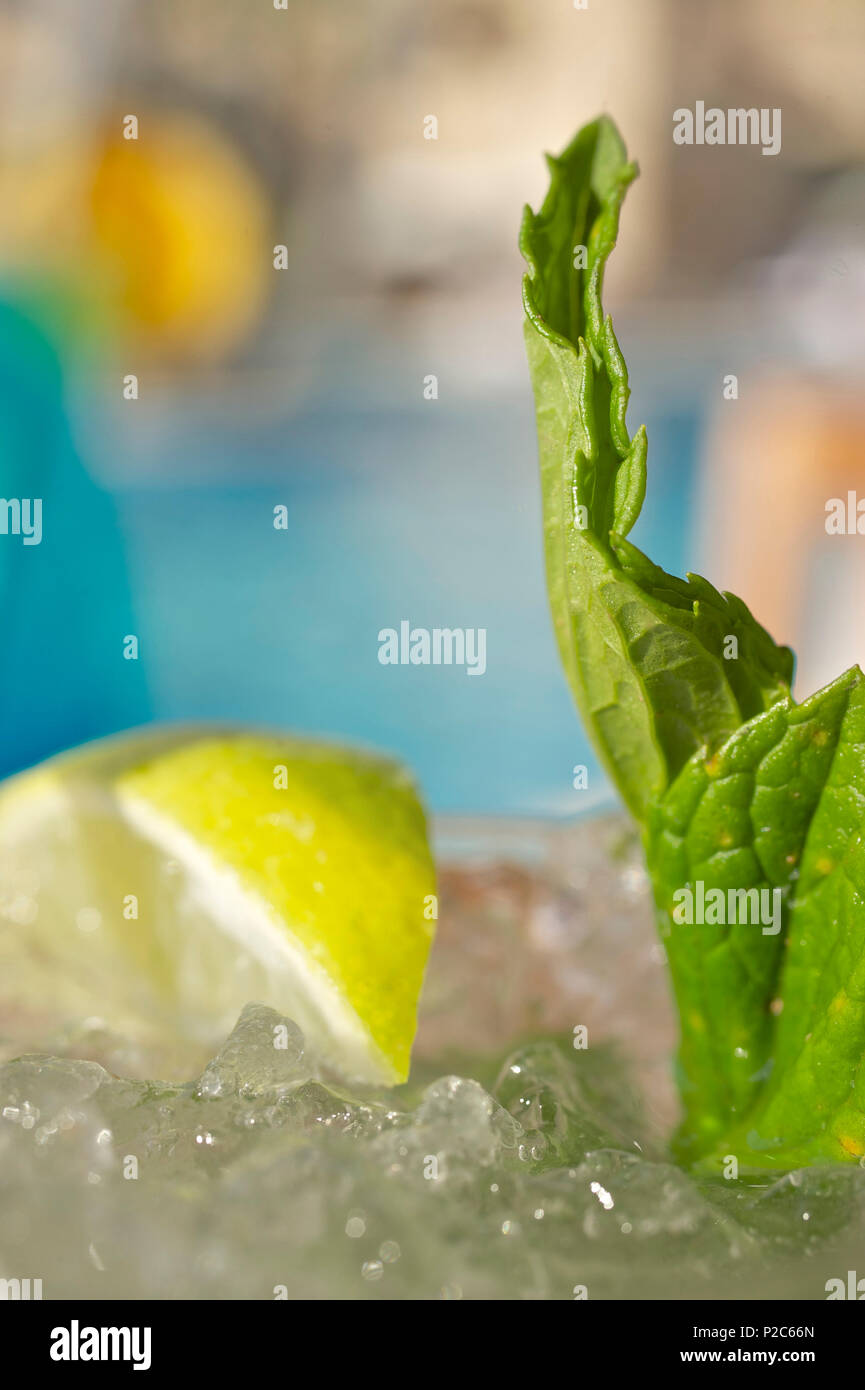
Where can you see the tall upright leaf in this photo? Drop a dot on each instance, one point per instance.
(746, 799)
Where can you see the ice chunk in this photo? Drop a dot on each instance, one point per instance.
(457, 1129)
(264, 1054)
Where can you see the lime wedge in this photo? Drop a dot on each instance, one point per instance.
(163, 880)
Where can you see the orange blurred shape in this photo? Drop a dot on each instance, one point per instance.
(184, 222)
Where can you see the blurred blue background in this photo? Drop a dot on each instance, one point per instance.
(430, 514)
(281, 257)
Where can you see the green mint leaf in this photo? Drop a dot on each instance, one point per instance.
(749, 803)
(776, 811)
(643, 652)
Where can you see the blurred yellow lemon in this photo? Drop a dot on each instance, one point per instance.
(184, 222)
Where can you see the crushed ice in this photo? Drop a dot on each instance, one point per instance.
(264, 1179)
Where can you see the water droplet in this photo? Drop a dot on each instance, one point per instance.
(603, 1196)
